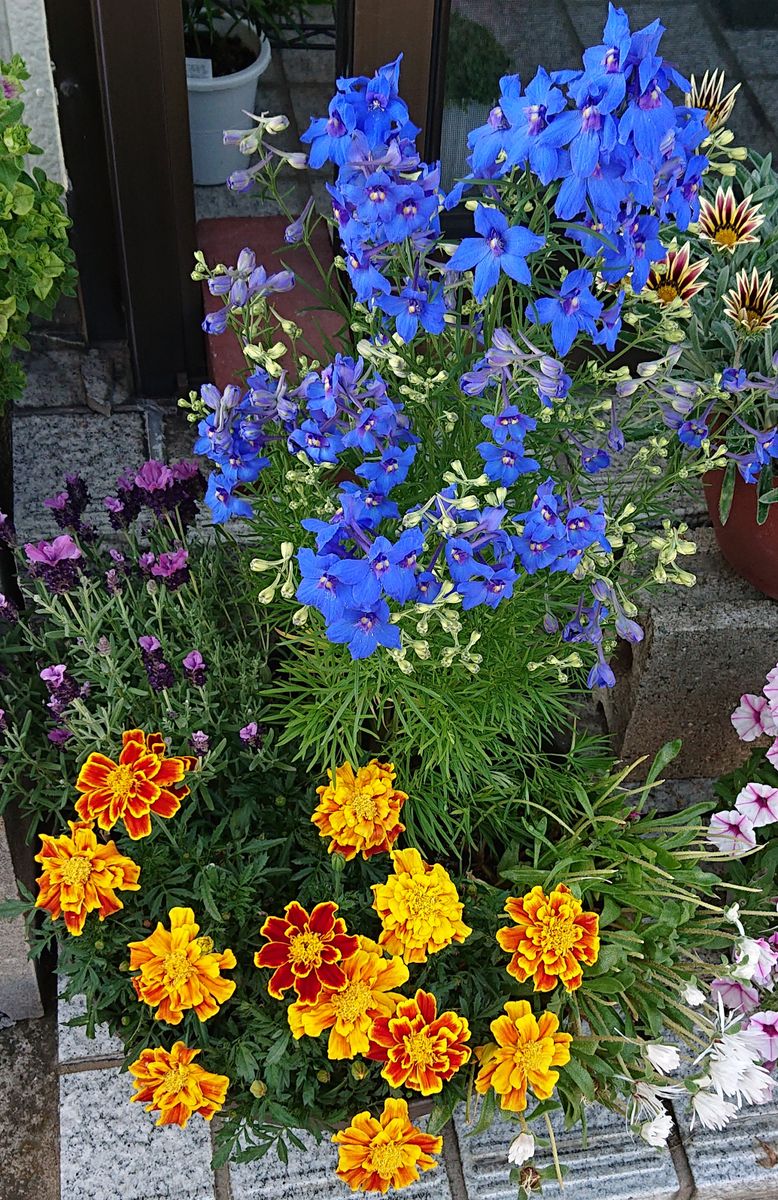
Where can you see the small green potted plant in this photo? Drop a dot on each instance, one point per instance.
(227, 51)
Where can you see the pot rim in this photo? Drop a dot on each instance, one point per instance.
(223, 83)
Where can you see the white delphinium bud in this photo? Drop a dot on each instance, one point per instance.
(300, 617)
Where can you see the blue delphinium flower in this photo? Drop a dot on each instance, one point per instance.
(222, 501)
(319, 587)
(501, 247)
(417, 304)
(574, 308)
(364, 630)
(506, 462)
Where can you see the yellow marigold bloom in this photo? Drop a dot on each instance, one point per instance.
(176, 1086)
(81, 874)
(523, 1052)
(179, 970)
(360, 811)
(419, 908)
(551, 938)
(376, 1155)
(349, 1011)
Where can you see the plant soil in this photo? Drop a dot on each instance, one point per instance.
(228, 55)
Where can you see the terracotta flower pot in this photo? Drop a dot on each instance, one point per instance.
(749, 548)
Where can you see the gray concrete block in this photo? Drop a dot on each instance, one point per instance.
(73, 1043)
(46, 447)
(309, 66)
(53, 379)
(29, 1112)
(112, 1150)
(615, 1165)
(704, 646)
(20, 996)
(737, 1162)
(312, 1173)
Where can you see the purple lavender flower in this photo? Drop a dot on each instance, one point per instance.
(61, 686)
(154, 476)
(146, 562)
(159, 672)
(3, 721)
(8, 610)
(68, 507)
(117, 513)
(195, 668)
(55, 563)
(59, 736)
(113, 582)
(200, 743)
(252, 735)
(172, 567)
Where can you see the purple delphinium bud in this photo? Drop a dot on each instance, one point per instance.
(252, 735)
(172, 568)
(550, 623)
(8, 610)
(59, 736)
(54, 563)
(294, 233)
(200, 743)
(195, 668)
(159, 672)
(7, 532)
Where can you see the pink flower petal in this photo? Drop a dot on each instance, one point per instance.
(770, 690)
(759, 802)
(765, 1026)
(732, 832)
(752, 718)
(737, 996)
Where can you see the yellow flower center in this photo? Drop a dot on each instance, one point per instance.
(386, 1159)
(120, 782)
(531, 1057)
(364, 806)
(753, 318)
(421, 901)
(76, 870)
(176, 1079)
(178, 968)
(418, 1048)
(725, 236)
(560, 934)
(305, 948)
(353, 1002)
(667, 292)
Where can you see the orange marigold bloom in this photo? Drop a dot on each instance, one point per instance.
(419, 908)
(421, 1049)
(360, 811)
(349, 1011)
(525, 1051)
(143, 781)
(176, 1086)
(305, 950)
(376, 1155)
(81, 874)
(552, 937)
(179, 970)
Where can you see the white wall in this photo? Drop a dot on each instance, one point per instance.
(23, 31)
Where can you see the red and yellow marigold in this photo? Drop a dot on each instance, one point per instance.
(349, 1011)
(419, 908)
(551, 939)
(143, 781)
(180, 970)
(376, 1155)
(360, 811)
(421, 1050)
(81, 875)
(524, 1051)
(170, 1082)
(305, 950)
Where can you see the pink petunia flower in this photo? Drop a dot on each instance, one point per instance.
(735, 995)
(770, 690)
(765, 1026)
(752, 718)
(759, 802)
(732, 832)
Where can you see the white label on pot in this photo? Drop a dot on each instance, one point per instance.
(199, 68)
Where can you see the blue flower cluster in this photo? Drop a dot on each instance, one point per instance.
(555, 533)
(624, 157)
(241, 284)
(383, 195)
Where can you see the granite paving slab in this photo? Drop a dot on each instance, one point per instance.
(738, 1162)
(615, 1166)
(48, 446)
(75, 1045)
(112, 1150)
(29, 1168)
(311, 1173)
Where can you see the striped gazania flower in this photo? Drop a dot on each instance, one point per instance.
(675, 277)
(708, 95)
(727, 223)
(751, 303)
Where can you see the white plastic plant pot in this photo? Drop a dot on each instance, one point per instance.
(219, 103)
